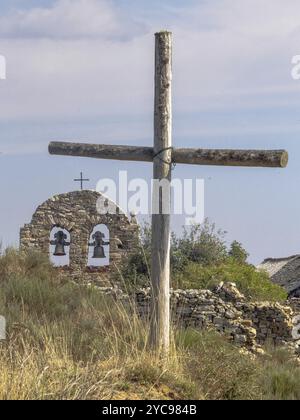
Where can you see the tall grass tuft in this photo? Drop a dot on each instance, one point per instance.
(67, 341)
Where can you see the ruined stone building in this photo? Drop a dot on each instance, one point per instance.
(284, 272)
(82, 240)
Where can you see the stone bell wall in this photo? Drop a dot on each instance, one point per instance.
(77, 213)
(225, 310)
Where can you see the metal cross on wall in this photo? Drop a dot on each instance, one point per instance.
(81, 180)
(163, 155)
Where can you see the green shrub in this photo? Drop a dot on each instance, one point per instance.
(200, 260)
(255, 285)
(203, 244)
(238, 252)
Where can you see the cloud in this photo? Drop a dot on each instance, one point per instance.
(238, 45)
(71, 61)
(79, 58)
(69, 19)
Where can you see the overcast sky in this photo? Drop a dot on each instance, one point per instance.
(83, 70)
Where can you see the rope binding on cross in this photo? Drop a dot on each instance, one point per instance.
(172, 163)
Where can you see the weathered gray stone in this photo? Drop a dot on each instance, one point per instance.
(77, 213)
(249, 325)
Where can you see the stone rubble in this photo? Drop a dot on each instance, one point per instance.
(245, 324)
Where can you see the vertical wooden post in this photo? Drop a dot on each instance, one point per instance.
(160, 270)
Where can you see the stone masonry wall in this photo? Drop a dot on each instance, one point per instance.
(77, 213)
(225, 310)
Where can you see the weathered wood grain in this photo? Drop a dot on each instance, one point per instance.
(102, 151)
(217, 157)
(225, 157)
(161, 233)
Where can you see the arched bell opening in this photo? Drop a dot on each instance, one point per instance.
(59, 246)
(99, 247)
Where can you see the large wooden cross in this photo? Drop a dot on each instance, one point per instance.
(163, 155)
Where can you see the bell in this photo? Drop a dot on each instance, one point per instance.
(98, 252)
(59, 250)
(60, 243)
(98, 245)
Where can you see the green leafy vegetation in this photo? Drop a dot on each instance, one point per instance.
(200, 259)
(255, 285)
(238, 252)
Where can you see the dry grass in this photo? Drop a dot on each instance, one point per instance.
(69, 342)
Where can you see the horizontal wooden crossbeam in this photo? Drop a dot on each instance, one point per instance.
(220, 157)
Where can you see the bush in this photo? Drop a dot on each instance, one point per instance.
(255, 285)
(238, 252)
(200, 243)
(135, 272)
(200, 260)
